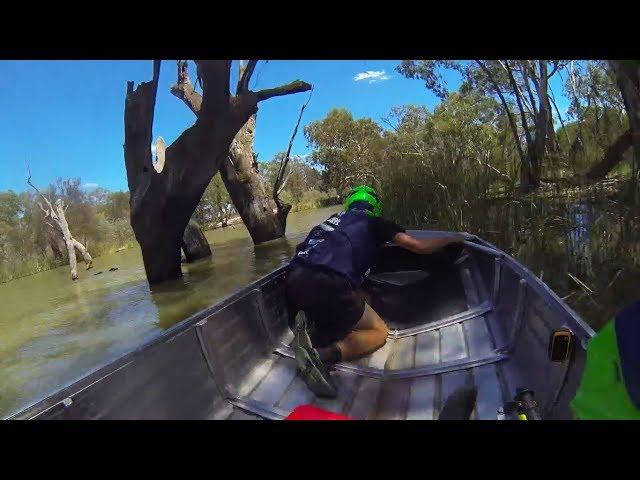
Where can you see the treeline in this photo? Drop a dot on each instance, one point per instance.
(488, 140)
(100, 219)
(304, 189)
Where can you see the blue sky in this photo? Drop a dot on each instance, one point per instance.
(66, 117)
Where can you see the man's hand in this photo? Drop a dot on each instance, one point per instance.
(425, 246)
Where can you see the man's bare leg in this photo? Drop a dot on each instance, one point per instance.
(368, 335)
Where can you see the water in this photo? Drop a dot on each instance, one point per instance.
(54, 330)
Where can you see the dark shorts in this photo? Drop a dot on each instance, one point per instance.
(329, 300)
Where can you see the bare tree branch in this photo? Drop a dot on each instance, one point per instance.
(184, 90)
(556, 66)
(245, 77)
(284, 182)
(530, 108)
(215, 87)
(297, 86)
(386, 121)
(283, 164)
(553, 102)
(38, 191)
(525, 78)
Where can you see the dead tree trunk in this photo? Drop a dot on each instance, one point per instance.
(283, 176)
(162, 202)
(83, 252)
(248, 192)
(56, 213)
(54, 242)
(262, 214)
(68, 239)
(194, 244)
(611, 158)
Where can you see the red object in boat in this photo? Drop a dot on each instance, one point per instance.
(310, 412)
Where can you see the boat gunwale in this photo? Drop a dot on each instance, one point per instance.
(541, 288)
(99, 373)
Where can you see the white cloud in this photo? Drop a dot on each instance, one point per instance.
(153, 150)
(90, 185)
(372, 75)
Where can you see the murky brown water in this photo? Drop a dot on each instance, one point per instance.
(54, 331)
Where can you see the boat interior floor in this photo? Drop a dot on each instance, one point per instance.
(453, 340)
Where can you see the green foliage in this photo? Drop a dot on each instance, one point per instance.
(437, 164)
(310, 199)
(591, 85)
(97, 218)
(429, 72)
(215, 206)
(114, 205)
(586, 141)
(301, 177)
(346, 150)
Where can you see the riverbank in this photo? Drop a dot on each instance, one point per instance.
(313, 200)
(33, 267)
(39, 265)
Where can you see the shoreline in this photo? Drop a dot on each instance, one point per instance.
(232, 222)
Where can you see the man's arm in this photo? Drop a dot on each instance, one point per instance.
(424, 246)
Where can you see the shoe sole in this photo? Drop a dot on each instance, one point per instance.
(301, 332)
(312, 375)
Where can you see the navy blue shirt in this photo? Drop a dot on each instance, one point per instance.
(346, 243)
(627, 325)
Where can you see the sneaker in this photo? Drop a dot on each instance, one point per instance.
(311, 368)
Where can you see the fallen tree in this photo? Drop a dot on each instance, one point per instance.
(611, 158)
(54, 217)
